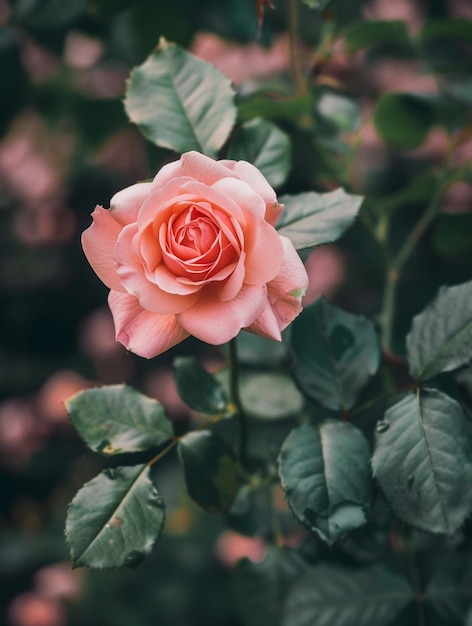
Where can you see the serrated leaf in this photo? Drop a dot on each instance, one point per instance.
(403, 120)
(371, 32)
(310, 219)
(260, 588)
(115, 519)
(270, 395)
(329, 595)
(117, 419)
(325, 473)
(199, 389)
(440, 339)
(336, 353)
(210, 470)
(423, 460)
(264, 145)
(181, 102)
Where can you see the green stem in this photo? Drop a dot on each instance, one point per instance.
(297, 76)
(395, 266)
(236, 400)
(377, 399)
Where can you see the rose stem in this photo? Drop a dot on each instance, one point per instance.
(236, 400)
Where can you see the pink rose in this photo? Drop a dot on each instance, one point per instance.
(195, 252)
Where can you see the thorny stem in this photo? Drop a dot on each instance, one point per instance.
(236, 400)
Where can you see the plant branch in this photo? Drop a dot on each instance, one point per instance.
(297, 75)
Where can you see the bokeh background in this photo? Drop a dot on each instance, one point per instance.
(65, 146)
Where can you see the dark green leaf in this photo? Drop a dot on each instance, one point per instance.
(270, 395)
(460, 88)
(48, 13)
(329, 595)
(336, 353)
(423, 460)
(318, 5)
(440, 339)
(260, 588)
(210, 470)
(403, 120)
(339, 109)
(181, 102)
(115, 519)
(449, 590)
(198, 388)
(371, 32)
(450, 234)
(446, 45)
(117, 418)
(310, 218)
(265, 146)
(325, 473)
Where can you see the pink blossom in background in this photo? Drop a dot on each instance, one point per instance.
(32, 609)
(195, 252)
(232, 546)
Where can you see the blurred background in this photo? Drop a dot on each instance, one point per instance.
(65, 146)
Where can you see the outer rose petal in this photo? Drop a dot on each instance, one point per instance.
(284, 293)
(252, 176)
(195, 165)
(125, 204)
(98, 242)
(144, 333)
(217, 322)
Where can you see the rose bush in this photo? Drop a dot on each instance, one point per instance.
(195, 252)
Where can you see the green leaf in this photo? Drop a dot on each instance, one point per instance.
(117, 418)
(328, 595)
(336, 353)
(265, 146)
(310, 219)
(423, 460)
(446, 45)
(199, 389)
(270, 395)
(449, 590)
(181, 102)
(403, 120)
(339, 109)
(325, 473)
(440, 339)
(48, 14)
(210, 470)
(371, 32)
(260, 588)
(115, 519)
(318, 5)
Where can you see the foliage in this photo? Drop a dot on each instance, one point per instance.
(352, 439)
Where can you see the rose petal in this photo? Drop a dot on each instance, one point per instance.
(98, 242)
(193, 164)
(266, 324)
(245, 197)
(264, 250)
(288, 287)
(125, 204)
(143, 333)
(217, 322)
(255, 179)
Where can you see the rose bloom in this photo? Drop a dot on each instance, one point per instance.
(195, 252)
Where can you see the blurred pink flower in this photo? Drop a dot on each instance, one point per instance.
(32, 609)
(326, 270)
(242, 63)
(82, 50)
(232, 546)
(54, 393)
(58, 581)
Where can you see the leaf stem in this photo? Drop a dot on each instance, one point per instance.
(377, 399)
(236, 400)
